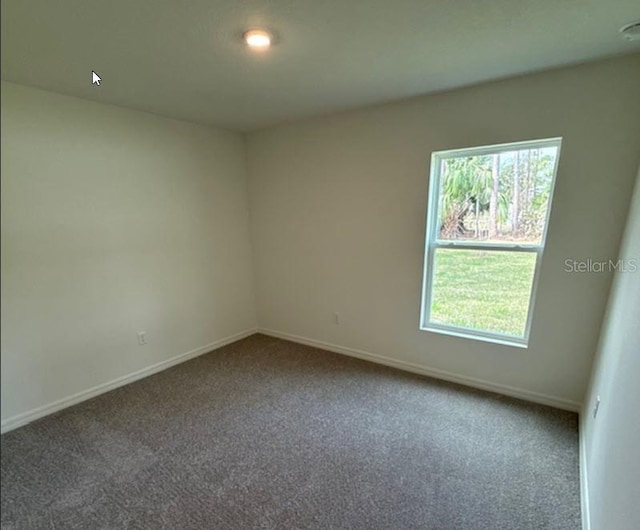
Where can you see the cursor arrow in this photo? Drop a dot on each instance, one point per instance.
(95, 78)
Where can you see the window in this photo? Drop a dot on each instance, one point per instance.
(486, 229)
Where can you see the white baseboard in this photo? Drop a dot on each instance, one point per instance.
(19, 420)
(26, 417)
(527, 395)
(584, 476)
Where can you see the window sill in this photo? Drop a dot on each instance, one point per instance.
(467, 334)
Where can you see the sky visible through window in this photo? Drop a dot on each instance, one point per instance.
(496, 197)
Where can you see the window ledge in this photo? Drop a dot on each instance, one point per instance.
(468, 334)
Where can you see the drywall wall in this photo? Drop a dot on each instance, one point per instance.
(611, 439)
(338, 209)
(114, 222)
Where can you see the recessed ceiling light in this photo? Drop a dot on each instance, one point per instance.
(631, 31)
(257, 39)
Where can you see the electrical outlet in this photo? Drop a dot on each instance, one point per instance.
(596, 406)
(142, 338)
(336, 318)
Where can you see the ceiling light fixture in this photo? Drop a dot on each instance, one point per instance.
(257, 39)
(631, 31)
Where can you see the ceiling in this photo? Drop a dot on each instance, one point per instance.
(185, 59)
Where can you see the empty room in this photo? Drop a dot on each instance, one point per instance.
(329, 264)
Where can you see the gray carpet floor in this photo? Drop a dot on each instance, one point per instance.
(266, 434)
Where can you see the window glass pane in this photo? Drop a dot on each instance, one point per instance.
(500, 197)
(487, 291)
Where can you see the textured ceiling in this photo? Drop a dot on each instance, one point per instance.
(185, 59)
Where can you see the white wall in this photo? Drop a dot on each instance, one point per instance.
(338, 217)
(612, 439)
(114, 221)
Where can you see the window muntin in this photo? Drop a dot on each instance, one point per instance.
(486, 228)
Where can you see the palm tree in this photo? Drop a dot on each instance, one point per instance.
(493, 200)
(465, 187)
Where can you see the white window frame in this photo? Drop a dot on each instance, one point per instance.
(432, 243)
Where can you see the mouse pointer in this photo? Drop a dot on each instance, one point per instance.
(95, 78)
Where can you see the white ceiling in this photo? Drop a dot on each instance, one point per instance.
(185, 59)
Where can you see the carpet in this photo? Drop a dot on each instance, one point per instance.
(269, 434)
